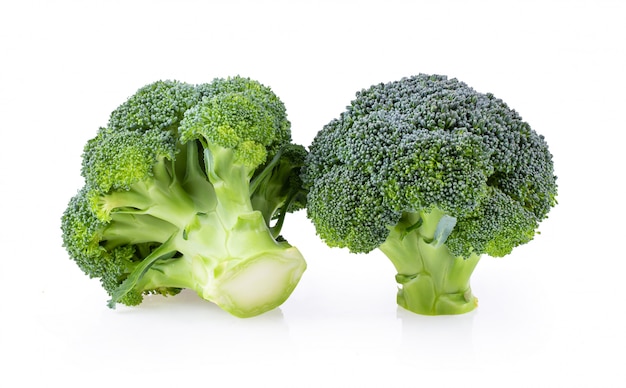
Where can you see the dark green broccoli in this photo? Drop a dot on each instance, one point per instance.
(187, 187)
(434, 174)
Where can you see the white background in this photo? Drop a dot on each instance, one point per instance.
(551, 314)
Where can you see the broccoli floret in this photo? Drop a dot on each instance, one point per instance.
(186, 188)
(435, 175)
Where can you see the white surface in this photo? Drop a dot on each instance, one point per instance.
(552, 314)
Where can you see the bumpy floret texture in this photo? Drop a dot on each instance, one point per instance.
(118, 159)
(159, 105)
(429, 142)
(222, 102)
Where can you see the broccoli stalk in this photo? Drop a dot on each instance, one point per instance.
(432, 280)
(225, 253)
(168, 200)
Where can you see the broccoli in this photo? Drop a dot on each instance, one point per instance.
(434, 174)
(187, 187)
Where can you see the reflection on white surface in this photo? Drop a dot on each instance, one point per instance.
(428, 340)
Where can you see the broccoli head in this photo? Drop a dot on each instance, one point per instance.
(434, 174)
(187, 187)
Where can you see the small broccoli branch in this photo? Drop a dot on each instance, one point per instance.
(432, 280)
(165, 251)
(276, 190)
(160, 196)
(282, 212)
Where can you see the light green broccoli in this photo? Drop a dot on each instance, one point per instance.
(187, 187)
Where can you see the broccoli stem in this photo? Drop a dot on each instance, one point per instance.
(226, 253)
(432, 280)
(239, 267)
(258, 273)
(231, 183)
(235, 264)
